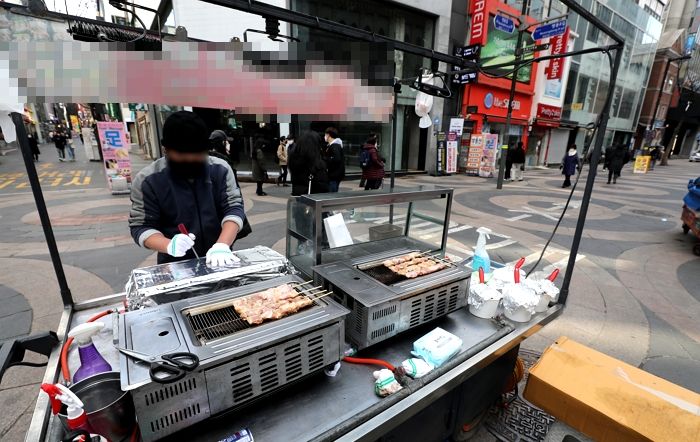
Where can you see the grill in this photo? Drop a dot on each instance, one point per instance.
(384, 303)
(383, 274)
(219, 320)
(238, 362)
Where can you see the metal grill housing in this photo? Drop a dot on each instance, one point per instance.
(235, 368)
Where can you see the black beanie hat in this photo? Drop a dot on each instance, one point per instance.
(184, 131)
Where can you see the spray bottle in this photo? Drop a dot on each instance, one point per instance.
(481, 257)
(91, 361)
(60, 394)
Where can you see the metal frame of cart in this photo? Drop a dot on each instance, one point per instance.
(379, 419)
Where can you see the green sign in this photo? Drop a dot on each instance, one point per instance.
(500, 48)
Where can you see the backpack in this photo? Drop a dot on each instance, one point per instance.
(365, 158)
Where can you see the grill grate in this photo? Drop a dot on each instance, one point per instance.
(386, 276)
(214, 323)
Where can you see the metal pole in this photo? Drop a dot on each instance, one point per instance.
(33, 178)
(511, 97)
(392, 172)
(590, 181)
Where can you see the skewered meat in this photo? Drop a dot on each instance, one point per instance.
(401, 259)
(273, 303)
(421, 268)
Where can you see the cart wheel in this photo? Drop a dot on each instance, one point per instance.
(686, 229)
(696, 249)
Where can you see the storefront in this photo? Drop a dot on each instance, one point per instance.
(486, 102)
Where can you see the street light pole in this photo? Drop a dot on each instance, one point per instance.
(519, 42)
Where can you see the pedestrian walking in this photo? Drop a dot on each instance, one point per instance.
(518, 162)
(220, 147)
(372, 164)
(569, 165)
(334, 157)
(259, 172)
(69, 146)
(655, 156)
(59, 138)
(187, 187)
(615, 158)
(306, 165)
(282, 160)
(34, 146)
(509, 162)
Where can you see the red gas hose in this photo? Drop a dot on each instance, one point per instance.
(368, 361)
(64, 351)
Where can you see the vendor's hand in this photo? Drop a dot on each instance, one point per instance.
(180, 244)
(220, 255)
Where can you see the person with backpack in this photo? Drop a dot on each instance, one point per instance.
(372, 164)
(334, 157)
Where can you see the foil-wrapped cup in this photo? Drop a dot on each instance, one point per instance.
(504, 275)
(519, 302)
(483, 300)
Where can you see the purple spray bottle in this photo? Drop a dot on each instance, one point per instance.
(91, 361)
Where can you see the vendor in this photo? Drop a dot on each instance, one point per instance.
(191, 188)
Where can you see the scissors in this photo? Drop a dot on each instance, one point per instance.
(166, 368)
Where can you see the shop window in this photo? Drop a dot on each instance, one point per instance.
(615, 106)
(600, 96)
(627, 103)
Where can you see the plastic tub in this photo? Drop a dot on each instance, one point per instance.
(486, 310)
(543, 304)
(520, 314)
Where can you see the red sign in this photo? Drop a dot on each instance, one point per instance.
(493, 101)
(557, 46)
(479, 22)
(548, 112)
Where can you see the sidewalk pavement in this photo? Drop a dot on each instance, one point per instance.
(634, 292)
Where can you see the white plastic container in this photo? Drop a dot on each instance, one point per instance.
(543, 305)
(520, 314)
(487, 310)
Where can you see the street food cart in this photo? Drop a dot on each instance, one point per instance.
(332, 246)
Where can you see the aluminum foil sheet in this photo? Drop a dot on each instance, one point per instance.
(163, 283)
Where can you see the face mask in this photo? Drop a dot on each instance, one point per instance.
(187, 170)
(228, 147)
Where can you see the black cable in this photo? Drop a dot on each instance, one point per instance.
(28, 364)
(578, 177)
(125, 9)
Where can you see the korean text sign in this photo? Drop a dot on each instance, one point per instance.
(115, 150)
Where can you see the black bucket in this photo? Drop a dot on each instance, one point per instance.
(110, 411)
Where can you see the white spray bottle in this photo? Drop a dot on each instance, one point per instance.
(481, 256)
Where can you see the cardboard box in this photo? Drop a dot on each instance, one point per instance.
(610, 400)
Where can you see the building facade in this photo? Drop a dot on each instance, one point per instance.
(589, 74)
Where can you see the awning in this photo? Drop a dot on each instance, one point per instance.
(546, 122)
(496, 119)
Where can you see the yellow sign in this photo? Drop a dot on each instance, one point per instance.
(642, 163)
(576, 106)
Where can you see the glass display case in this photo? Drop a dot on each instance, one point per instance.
(329, 227)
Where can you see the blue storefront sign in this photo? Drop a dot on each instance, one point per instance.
(504, 24)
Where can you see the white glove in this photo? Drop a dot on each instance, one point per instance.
(180, 244)
(220, 255)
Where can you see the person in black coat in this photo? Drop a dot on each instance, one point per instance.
(34, 145)
(518, 161)
(306, 166)
(509, 161)
(569, 164)
(615, 158)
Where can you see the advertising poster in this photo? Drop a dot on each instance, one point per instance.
(476, 149)
(457, 125)
(554, 72)
(115, 150)
(642, 164)
(440, 151)
(452, 150)
(487, 165)
(500, 48)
